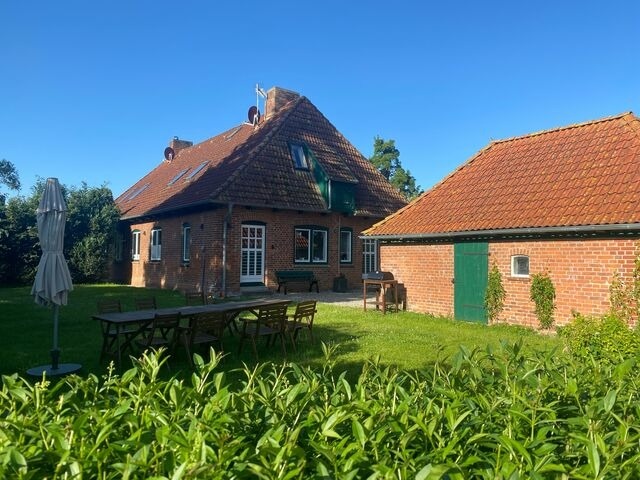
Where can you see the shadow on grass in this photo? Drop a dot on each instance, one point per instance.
(406, 340)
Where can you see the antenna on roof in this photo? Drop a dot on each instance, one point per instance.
(254, 111)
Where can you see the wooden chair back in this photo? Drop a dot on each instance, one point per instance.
(163, 330)
(273, 316)
(205, 328)
(145, 303)
(109, 305)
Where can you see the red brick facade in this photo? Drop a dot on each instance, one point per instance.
(581, 271)
(207, 231)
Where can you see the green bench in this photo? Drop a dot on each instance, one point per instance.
(285, 276)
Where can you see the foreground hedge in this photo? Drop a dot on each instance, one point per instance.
(480, 414)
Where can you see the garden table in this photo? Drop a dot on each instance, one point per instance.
(128, 325)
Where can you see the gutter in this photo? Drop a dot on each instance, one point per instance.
(612, 228)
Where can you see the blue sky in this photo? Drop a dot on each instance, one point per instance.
(93, 91)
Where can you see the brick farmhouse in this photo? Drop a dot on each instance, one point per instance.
(282, 191)
(564, 201)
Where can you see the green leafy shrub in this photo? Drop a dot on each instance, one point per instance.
(606, 339)
(495, 294)
(543, 294)
(494, 413)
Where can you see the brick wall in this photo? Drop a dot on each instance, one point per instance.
(172, 273)
(426, 271)
(581, 270)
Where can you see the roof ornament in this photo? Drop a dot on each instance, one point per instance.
(254, 111)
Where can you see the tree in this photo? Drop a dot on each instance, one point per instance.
(8, 177)
(91, 225)
(91, 221)
(386, 158)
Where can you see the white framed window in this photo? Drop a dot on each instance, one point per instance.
(156, 244)
(299, 156)
(302, 245)
(346, 236)
(319, 246)
(135, 245)
(186, 243)
(369, 255)
(310, 245)
(520, 266)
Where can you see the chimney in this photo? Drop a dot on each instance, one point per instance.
(176, 144)
(277, 98)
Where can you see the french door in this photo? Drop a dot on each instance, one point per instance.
(252, 254)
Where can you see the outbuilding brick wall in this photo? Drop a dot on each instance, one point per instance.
(426, 271)
(581, 270)
(207, 245)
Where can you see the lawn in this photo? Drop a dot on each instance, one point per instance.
(406, 340)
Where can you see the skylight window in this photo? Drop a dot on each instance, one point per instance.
(138, 191)
(299, 156)
(177, 177)
(197, 170)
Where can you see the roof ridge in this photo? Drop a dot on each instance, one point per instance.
(565, 127)
(253, 153)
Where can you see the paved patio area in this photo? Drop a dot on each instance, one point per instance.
(352, 298)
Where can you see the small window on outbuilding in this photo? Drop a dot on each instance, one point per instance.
(520, 266)
(299, 156)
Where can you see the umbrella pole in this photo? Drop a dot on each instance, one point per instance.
(55, 351)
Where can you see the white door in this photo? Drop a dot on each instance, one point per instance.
(252, 254)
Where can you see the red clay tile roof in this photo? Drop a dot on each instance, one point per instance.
(253, 166)
(581, 175)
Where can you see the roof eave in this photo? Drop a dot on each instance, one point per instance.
(612, 228)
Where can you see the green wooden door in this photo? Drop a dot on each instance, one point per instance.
(471, 270)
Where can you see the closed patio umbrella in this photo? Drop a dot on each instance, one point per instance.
(53, 280)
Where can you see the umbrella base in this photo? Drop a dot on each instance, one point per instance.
(49, 371)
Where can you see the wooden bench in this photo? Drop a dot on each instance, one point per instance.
(285, 276)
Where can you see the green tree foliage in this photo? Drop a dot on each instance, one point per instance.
(20, 263)
(91, 221)
(8, 177)
(386, 158)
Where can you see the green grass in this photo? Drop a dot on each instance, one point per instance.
(406, 340)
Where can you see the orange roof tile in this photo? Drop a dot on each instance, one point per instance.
(250, 165)
(586, 174)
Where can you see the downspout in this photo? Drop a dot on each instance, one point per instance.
(225, 227)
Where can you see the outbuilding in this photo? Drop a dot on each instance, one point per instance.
(565, 202)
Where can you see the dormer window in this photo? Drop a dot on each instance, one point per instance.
(299, 156)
